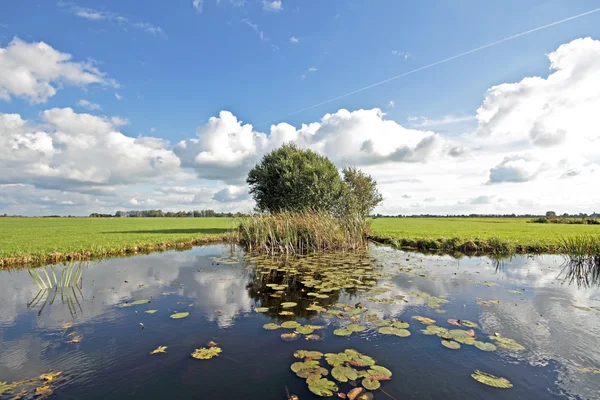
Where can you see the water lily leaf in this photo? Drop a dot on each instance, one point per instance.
(134, 303)
(342, 332)
(159, 349)
(288, 304)
(322, 296)
(344, 374)
(150, 311)
(316, 307)
(290, 325)
(180, 315)
(288, 337)
(388, 330)
(378, 370)
(354, 393)
(357, 359)
(261, 309)
(271, 326)
(322, 387)
(424, 320)
(206, 353)
(401, 325)
(491, 380)
(451, 344)
(312, 337)
(336, 359)
(506, 343)
(371, 384)
(286, 313)
(299, 366)
(515, 291)
(469, 324)
(315, 327)
(455, 322)
(305, 330)
(484, 346)
(314, 355)
(50, 376)
(435, 330)
(356, 328)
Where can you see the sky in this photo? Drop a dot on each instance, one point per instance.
(453, 107)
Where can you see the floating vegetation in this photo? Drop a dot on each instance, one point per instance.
(288, 304)
(356, 328)
(342, 332)
(134, 303)
(305, 330)
(286, 313)
(290, 325)
(580, 308)
(589, 370)
(388, 330)
(436, 330)
(491, 380)
(424, 320)
(289, 337)
(180, 315)
(206, 353)
(469, 324)
(346, 367)
(506, 343)
(75, 338)
(50, 376)
(515, 291)
(484, 346)
(451, 344)
(486, 302)
(312, 337)
(150, 311)
(159, 349)
(271, 326)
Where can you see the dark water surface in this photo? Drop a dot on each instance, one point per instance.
(556, 320)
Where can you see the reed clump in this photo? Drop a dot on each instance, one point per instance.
(302, 232)
(582, 255)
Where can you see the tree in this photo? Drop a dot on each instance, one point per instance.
(359, 193)
(293, 179)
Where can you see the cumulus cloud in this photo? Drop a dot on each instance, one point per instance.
(35, 71)
(198, 5)
(231, 194)
(80, 151)
(515, 169)
(294, 40)
(88, 105)
(272, 5)
(225, 148)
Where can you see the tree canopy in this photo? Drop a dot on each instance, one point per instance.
(294, 179)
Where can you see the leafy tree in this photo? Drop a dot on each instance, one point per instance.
(293, 179)
(359, 193)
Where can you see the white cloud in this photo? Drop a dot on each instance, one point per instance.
(118, 96)
(231, 194)
(402, 54)
(88, 105)
(294, 40)
(272, 5)
(515, 169)
(310, 70)
(35, 71)
(392, 104)
(255, 28)
(95, 15)
(198, 5)
(423, 122)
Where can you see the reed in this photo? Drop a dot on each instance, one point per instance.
(301, 233)
(582, 258)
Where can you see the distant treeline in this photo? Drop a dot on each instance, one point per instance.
(168, 214)
(564, 220)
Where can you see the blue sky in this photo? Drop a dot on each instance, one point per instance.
(171, 66)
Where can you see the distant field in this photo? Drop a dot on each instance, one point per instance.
(33, 239)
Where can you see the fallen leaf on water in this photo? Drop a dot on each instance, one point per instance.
(211, 344)
(491, 380)
(424, 320)
(49, 376)
(354, 393)
(159, 349)
(455, 322)
(206, 353)
(312, 337)
(180, 315)
(470, 332)
(68, 325)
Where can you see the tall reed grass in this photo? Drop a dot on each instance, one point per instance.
(582, 255)
(301, 233)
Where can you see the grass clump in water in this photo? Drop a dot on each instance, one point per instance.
(302, 232)
(582, 254)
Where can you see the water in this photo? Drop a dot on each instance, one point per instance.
(112, 359)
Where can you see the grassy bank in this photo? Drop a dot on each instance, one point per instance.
(49, 240)
(46, 240)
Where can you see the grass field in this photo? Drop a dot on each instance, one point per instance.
(41, 240)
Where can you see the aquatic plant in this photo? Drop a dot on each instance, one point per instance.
(582, 259)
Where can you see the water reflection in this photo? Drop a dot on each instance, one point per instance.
(556, 320)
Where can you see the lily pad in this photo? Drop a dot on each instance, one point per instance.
(159, 349)
(451, 344)
(288, 304)
(305, 330)
(435, 330)
(50, 376)
(484, 346)
(206, 353)
(357, 359)
(469, 324)
(515, 291)
(356, 328)
(180, 315)
(491, 380)
(316, 307)
(289, 337)
(261, 309)
(290, 325)
(286, 313)
(506, 343)
(371, 384)
(323, 387)
(336, 359)
(150, 311)
(134, 303)
(378, 370)
(314, 355)
(388, 330)
(344, 374)
(271, 326)
(299, 366)
(424, 320)
(401, 325)
(342, 332)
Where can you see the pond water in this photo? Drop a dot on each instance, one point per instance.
(551, 318)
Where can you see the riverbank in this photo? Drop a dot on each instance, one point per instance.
(49, 240)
